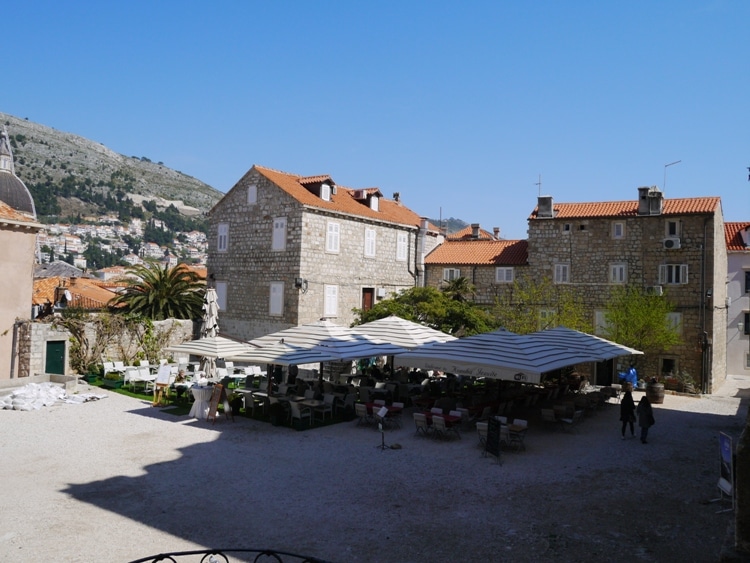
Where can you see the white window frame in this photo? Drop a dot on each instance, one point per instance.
(370, 235)
(668, 273)
(252, 194)
(333, 237)
(504, 274)
(618, 273)
(450, 274)
(562, 273)
(618, 230)
(669, 231)
(278, 238)
(544, 316)
(276, 299)
(331, 301)
(221, 295)
(222, 237)
(402, 247)
(674, 320)
(325, 192)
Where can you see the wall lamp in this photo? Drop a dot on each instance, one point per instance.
(301, 283)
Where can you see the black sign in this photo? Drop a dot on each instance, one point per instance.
(492, 445)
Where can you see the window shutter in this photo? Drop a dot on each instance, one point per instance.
(683, 273)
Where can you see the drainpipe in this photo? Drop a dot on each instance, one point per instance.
(408, 262)
(704, 336)
(14, 346)
(419, 251)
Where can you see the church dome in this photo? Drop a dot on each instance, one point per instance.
(12, 190)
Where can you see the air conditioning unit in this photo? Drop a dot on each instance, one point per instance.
(655, 290)
(360, 194)
(381, 292)
(672, 243)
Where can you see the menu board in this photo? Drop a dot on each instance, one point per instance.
(492, 445)
(219, 394)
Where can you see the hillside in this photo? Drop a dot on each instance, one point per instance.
(80, 174)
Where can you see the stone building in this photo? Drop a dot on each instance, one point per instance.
(286, 250)
(737, 237)
(18, 230)
(490, 264)
(670, 246)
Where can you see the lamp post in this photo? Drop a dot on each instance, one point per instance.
(664, 184)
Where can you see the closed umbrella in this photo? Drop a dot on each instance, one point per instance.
(210, 329)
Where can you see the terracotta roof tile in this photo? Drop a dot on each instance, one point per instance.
(7, 213)
(480, 253)
(342, 201)
(466, 234)
(733, 236)
(85, 292)
(682, 206)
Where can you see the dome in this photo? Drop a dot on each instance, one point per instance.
(12, 190)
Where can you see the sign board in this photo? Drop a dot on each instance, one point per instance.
(492, 445)
(219, 395)
(726, 476)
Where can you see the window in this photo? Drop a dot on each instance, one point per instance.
(747, 361)
(562, 273)
(369, 242)
(331, 301)
(503, 275)
(546, 318)
(747, 281)
(673, 274)
(566, 228)
(332, 237)
(618, 273)
(276, 300)
(618, 230)
(374, 203)
(222, 241)
(325, 192)
(221, 295)
(747, 323)
(601, 326)
(402, 246)
(672, 228)
(252, 194)
(278, 241)
(674, 320)
(450, 274)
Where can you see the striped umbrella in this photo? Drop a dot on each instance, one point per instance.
(400, 332)
(599, 348)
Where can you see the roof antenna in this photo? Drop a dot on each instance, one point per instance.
(664, 185)
(539, 184)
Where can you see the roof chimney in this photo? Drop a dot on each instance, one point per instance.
(496, 232)
(544, 207)
(396, 196)
(475, 230)
(649, 200)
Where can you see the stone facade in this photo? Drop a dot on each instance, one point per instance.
(590, 245)
(245, 268)
(483, 278)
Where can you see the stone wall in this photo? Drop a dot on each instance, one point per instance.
(487, 290)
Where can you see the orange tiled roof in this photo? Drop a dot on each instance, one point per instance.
(682, 206)
(342, 201)
(733, 236)
(9, 214)
(466, 234)
(480, 253)
(86, 293)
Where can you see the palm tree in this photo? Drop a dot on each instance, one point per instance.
(459, 289)
(162, 293)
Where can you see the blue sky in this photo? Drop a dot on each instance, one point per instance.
(459, 106)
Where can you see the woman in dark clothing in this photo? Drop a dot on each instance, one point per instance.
(627, 412)
(645, 417)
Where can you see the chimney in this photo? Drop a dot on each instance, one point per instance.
(649, 200)
(396, 196)
(544, 207)
(475, 230)
(496, 232)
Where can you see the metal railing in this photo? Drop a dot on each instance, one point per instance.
(221, 556)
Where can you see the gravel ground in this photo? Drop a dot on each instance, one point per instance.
(116, 480)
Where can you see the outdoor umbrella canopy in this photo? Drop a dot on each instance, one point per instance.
(599, 348)
(400, 332)
(210, 329)
(357, 346)
(282, 354)
(304, 336)
(211, 347)
(499, 355)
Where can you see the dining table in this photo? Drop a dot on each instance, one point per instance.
(202, 395)
(450, 419)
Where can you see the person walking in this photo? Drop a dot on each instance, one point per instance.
(627, 411)
(645, 417)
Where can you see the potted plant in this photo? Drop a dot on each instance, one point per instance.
(112, 380)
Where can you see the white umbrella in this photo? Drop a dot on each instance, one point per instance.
(499, 355)
(400, 332)
(304, 336)
(211, 347)
(210, 329)
(283, 354)
(599, 348)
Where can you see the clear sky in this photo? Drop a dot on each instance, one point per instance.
(459, 106)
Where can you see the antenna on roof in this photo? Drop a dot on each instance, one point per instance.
(664, 185)
(539, 185)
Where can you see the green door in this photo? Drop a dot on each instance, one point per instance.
(55, 362)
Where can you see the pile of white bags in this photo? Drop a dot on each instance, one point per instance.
(34, 396)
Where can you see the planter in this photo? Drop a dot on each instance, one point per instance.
(112, 383)
(655, 393)
(671, 385)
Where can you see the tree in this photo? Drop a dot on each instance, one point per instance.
(640, 320)
(162, 293)
(533, 305)
(433, 308)
(459, 289)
